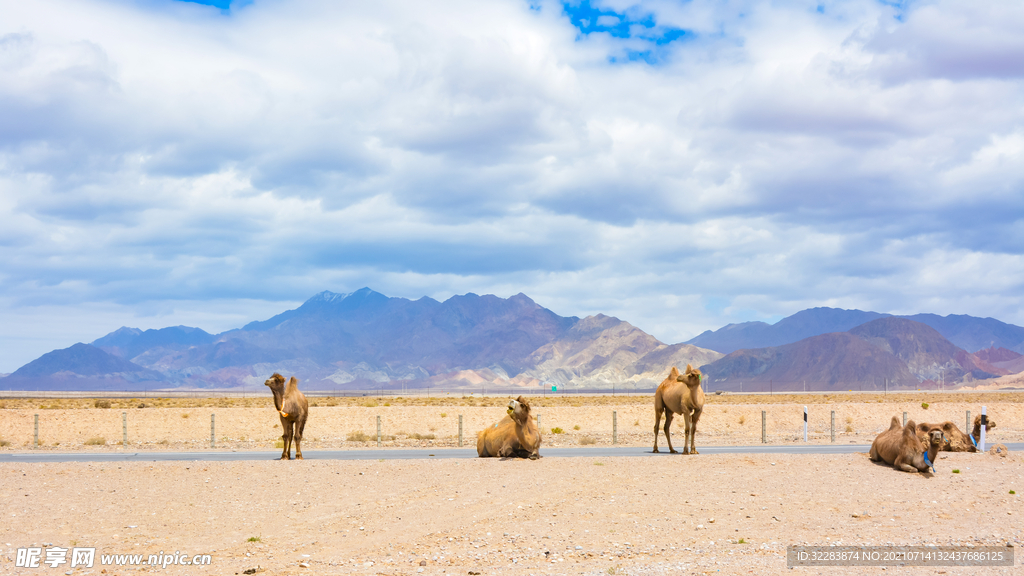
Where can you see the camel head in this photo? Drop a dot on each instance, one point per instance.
(275, 382)
(925, 429)
(976, 429)
(935, 436)
(519, 410)
(691, 377)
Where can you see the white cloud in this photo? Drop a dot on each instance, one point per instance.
(167, 155)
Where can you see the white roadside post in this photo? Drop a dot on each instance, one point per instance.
(984, 424)
(805, 423)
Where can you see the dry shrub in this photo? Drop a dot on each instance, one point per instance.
(4, 442)
(743, 419)
(576, 427)
(849, 419)
(357, 436)
(370, 404)
(557, 431)
(96, 441)
(102, 404)
(418, 436)
(587, 440)
(849, 428)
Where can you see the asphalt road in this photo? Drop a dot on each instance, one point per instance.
(420, 453)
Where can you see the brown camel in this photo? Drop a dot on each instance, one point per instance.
(976, 432)
(679, 394)
(953, 440)
(293, 409)
(900, 447)
(514, 435)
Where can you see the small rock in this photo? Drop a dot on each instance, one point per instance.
(253, 570)
(423, 562)
(303, 565)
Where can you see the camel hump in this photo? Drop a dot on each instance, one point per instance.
(674, 373)
(894, 423)
(293, 384)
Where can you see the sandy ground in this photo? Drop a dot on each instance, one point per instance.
(699, 514)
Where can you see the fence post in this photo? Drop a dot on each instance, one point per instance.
(615, 427)
(968, 428)
(378, 431)
(460, 430)
(833, 425)
(124, 428)
(213, 435)
(764, 438)
(805, 423)
(538, 422)
(904, 419)
(35, 436)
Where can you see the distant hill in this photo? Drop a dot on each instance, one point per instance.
(897, 351)
(835, 361)
(967, 332)
(81, 367)
(803, 324)
(366, 340)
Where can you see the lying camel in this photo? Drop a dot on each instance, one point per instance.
(900, 447)
(976, 432)
(293, 409)
(953, 440)
(514, 435)
(679, 394)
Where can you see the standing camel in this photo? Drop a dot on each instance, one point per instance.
(293, 409)
(679, 394)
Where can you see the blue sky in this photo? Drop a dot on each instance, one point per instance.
(680, 165)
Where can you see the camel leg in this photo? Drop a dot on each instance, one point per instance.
(668, 424)
(899, 464)
(693, 430)
(686, 430)
(286, 454)
(657, 424)
(299, 427)
(506, 450)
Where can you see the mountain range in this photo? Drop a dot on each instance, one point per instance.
(365, 340)
(967, 332)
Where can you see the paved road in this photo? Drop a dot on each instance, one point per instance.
(420, 453)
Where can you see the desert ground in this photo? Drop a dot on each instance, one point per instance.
(671, 514)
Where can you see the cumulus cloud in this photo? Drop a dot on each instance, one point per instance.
(680, 165)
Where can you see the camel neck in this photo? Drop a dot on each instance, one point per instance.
(278, 398)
